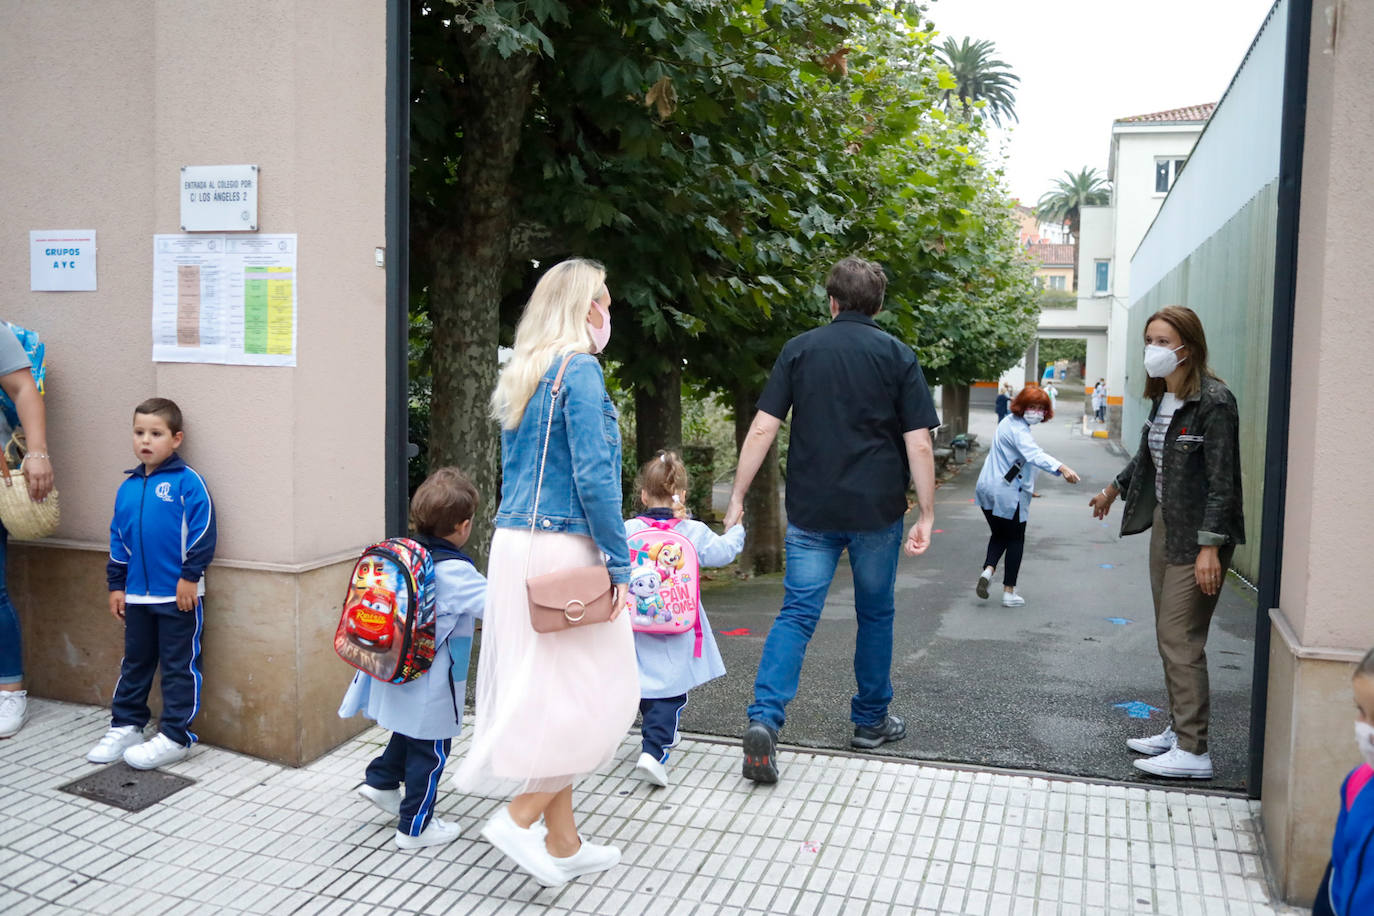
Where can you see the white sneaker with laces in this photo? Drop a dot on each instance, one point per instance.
(389, 800)
(157, 751)
(115, 743)
(436, 833)
(589, 858)
(1011, 599)
(650, 770)
(1154, 744)
(1176, 763)
(14, 710)
(984, 580)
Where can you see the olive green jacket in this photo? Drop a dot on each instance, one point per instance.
(1202, 483)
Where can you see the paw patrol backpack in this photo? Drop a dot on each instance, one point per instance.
(664, 595)
(387, 626)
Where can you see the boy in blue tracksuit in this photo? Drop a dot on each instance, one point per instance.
(426, 714)
(161, 539)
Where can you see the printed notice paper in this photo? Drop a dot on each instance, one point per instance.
(224, 299)
(62, 260)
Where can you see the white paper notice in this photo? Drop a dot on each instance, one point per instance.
(224, 300)
(62, 260)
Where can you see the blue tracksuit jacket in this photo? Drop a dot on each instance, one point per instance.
(163, 530)
(1352, 878)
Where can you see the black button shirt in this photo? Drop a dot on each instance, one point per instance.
(853, 390)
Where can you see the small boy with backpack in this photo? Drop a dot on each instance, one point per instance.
(673, 641)
(424, 712)
(161, 539)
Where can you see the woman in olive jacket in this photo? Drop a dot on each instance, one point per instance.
(1184, 483)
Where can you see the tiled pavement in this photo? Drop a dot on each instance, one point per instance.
(838, 834)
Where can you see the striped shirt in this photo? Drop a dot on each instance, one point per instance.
(1159, 428)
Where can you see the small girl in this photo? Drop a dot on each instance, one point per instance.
(669, 665)
(1348, 887)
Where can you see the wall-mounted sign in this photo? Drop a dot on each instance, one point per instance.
(219, 198)
(62, 260)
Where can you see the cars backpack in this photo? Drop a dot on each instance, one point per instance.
(387, 626)
(664, 595)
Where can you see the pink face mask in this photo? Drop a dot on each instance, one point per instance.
(602, 335)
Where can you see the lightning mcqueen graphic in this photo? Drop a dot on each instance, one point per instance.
(369, 623)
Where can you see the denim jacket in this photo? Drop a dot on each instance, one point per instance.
(581, 492)
(1202, 483)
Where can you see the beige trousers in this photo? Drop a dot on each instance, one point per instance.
(1183, 615)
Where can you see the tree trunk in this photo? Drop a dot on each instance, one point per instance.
(1033, 361)
(467, 260)
(763, 544)
(954, 401)
(658, 414)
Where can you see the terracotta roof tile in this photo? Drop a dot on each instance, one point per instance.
(1051, 255)
(1193, 113)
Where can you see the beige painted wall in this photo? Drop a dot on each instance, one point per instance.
(103, 103)
(1324, 621)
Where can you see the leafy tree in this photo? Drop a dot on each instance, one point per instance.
(978, 77)
(1062, 203)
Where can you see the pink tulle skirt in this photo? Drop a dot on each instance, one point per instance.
(551, 707)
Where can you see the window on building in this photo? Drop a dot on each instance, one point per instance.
(1166, 173)
(1057, 282)
(1101, 275)
(1039, 282)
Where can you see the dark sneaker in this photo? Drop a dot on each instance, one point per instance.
(868, 737)
(760, 753)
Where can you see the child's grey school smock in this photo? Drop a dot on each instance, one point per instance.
(428, 707)
(668, 666)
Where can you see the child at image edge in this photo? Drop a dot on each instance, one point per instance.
(161, 539)
(1348, 887)
(426, 714)
(668, 663)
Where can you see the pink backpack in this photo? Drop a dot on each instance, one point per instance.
(664, 596)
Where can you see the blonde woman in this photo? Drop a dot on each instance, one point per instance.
(552, 707)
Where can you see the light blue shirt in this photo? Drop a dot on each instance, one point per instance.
(1012, 442)
(668, 666)
(431, 706)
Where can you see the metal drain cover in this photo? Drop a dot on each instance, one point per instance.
(124, 787)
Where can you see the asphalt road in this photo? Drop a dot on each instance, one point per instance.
(1032, 688)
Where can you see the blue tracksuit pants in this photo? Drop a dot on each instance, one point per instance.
(658, 730)
(159, 634)
(419, 763)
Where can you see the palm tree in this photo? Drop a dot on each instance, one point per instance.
(1062, 203)
(978, 75)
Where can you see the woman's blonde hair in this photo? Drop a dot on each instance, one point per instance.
(664, 479)
(554, 323)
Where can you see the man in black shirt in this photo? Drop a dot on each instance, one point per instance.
(861, 421)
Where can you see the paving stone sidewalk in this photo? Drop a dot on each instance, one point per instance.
(838, 834)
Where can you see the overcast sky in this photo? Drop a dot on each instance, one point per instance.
(1085, 63)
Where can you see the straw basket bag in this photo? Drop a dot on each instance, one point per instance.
(22, 517)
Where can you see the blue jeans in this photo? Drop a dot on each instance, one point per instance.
(11, 648)
(811, 560)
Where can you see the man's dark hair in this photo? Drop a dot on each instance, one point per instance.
(857, 285)
(164, 408)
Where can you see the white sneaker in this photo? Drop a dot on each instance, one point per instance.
(984, 580)
(157, 751)
(1011, 599)
(650, 770)
(591, 857)
(389, 800)
(115, 743)
(436, 833)
(14, 709)
(1154, 744)
(1176, 763)
(525, 847)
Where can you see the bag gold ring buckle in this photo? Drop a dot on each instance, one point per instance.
(567, 607)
